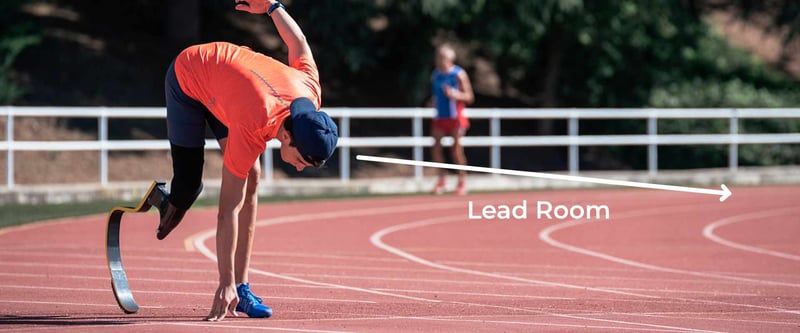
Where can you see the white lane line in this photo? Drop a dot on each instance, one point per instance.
(708, 232)
(150, 259)
(519, 309)
(361, 277)
(330, 285)
(186, 293)
(682, 291)
(656, 280)
(783, 275)
(17, 301)
(690, 316)
(668, 315)
(434, 281)
(348, 267)
(210, 326)
(464, 319)
(193, 240)
(294, 263)
(580, 317)
(82, 327)
(132, 259)
(103, 267)
(331, 276)
(545, 236)
(539, 266)
(528, 312)
(506, 284)
(199, 244)
(436, 292)
(477, 319)
(199, 241)
(417, 291)
(376, 240)
(325, 256)
(134, 269)
(157, 280)
(83, 255)
(577, 326)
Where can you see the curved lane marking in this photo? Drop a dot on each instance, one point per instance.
(708, 232)
(376, 240)
(544, 235)
(252, 328)
(198, 242)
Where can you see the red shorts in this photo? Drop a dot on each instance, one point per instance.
(450, 126)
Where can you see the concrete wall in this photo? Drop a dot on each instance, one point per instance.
(133, 191)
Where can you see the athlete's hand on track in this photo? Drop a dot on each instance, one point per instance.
(254, 6)
(225, 300)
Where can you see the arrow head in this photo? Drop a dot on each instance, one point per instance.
(726, 193)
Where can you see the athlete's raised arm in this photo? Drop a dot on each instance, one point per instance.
(287, 27)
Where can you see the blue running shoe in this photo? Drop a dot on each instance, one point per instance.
(251, 304)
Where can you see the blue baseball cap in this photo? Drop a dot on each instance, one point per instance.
(313, 132)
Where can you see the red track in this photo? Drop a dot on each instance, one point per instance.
(418, 264)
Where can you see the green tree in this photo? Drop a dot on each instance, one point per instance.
(15, 36)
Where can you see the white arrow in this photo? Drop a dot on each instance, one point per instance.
(724, 193)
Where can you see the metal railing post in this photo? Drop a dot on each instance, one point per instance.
(572, 129)
(10, 151)
(417, 133)
(344, 152)
(102, 129)
(652, 147)
(733, 149)
(494, 132)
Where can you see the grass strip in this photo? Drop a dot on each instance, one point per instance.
(16, 214)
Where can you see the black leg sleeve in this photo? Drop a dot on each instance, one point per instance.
(187, 175)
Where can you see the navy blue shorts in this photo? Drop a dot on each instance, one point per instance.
(186, 117)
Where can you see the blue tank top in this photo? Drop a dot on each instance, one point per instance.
(445, 107)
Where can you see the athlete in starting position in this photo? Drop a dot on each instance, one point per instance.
(247, 99)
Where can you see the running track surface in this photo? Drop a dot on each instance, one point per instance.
(664, 262)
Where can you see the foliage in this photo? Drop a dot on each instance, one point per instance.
(732, 79)
(599, 53)
(15, 36)
(777, 14)
(559, 53)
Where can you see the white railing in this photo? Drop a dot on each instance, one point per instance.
(417, 142)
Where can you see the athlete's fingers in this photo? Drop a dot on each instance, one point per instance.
(212, 316)
(242, 5)
(232, 307)
(216, 316)
(217, 311)
(244, 8)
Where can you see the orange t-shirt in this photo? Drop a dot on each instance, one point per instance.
(247, 91)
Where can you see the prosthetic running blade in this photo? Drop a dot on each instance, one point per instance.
(119, 280)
